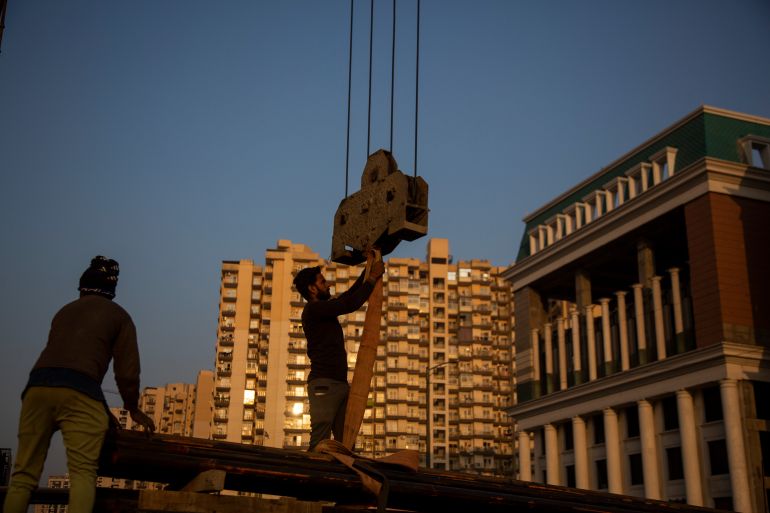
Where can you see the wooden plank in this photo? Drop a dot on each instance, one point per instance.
(151, 501)
(317, 477)
(206, 482)
(362, 376)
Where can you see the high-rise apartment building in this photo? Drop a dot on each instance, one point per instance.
(177, 408)
(452, 320)
(643, 321)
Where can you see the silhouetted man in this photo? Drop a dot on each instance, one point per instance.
(327, 382)
(64, 389)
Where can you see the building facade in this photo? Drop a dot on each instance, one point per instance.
(643, 322)
(177, 408)
(454, 319)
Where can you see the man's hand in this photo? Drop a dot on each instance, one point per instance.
(143, 420)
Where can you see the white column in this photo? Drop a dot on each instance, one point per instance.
(562, 354)
(548, 341)
(736, 452)
(677, 300)
(623, 331)
(580, 443)
(576, 364)
(552, 455)
(676, 293)
(689, 439)
(612, 445)
(648, 437)
(641, 336)
(525, 461)
(606, 336)
(591, 343)
(657, 307)
(535, 364)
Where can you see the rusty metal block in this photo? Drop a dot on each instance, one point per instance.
(389, 208)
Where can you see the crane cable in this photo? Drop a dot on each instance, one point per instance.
(350, 71)
(3, 8)
(392, 85)
(416, 88)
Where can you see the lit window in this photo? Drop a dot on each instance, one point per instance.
(248, 397)
(297, 408)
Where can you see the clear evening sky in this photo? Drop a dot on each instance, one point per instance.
(171, 135)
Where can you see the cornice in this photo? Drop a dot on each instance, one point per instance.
(693, 368)
(703, 176)
(707, 109)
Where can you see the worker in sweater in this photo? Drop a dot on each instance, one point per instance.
(64, 389)
(327, 382)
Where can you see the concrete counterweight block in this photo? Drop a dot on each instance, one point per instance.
(389, 208)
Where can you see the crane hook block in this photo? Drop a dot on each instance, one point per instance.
(389, 208)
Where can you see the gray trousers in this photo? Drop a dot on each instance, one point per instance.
(328, 400)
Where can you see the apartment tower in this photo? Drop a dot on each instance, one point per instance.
(444, 323)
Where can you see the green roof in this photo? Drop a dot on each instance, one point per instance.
(706, 133)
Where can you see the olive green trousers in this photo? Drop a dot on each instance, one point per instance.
(83, 423)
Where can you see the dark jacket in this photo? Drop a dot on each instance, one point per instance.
(85, 336)
(325, 340)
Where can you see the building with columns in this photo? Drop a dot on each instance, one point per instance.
(446, 326)
(643, 321)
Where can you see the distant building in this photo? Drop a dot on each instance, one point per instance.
(643, 321)
(204, 404)
(6, 462)
(457, 317)
(63, 481)
(174, 407)
(60, 481)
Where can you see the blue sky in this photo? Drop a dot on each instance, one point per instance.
(173, 135)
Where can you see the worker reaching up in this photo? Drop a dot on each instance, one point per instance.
(64, 389)
(327, 382)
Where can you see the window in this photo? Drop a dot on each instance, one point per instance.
(632, 422)
(636, 469)
(718, 457)
(615, 193)
(674, 461)
(640, 178)
(663, 164)
(712, 404)
(570, 470)
(598, 424)
(670, 414)
(756, 151)
(762, 405)
(601, 474)
(563, 226)
(248, 397)
(568, 438)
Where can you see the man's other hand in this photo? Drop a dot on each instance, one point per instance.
(143, 420)
(376, 268)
